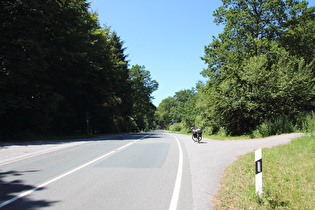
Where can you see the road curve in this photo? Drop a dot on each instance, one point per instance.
(209, 158)
(130, 171)
(154, 170)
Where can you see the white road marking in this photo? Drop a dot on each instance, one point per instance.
(25, 193)
(38, 152)
(175, 197)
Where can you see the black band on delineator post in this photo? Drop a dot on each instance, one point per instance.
(258, 166)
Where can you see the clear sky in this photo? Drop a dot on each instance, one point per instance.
(166, 36)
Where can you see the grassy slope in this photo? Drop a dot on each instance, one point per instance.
(288, 179)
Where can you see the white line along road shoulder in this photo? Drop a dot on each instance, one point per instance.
(175, 196)
(25, 193)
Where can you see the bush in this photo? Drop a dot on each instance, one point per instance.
(208, 130)
(185, 130)
(308, 125)
(285, 124)
(262, 130)
(279, 125)
(176, 127)
(222, 132)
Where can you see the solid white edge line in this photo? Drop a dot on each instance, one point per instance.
(23, 194)
(175, 196)
(38, 153)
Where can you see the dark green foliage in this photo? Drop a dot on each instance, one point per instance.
(261, 67)
(142, 87)
(61, 73)
(165, 113)
(261, 71)
(179, 108)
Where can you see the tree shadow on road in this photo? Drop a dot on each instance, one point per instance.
(10, 189)
(118, 137)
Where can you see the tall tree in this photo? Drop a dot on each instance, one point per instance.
(26, 93)
(121, 83)
(166, 112)
(142, 87)
(249, 76)
(60, 70)
(185, 107)
(298, 38)
(180, 108)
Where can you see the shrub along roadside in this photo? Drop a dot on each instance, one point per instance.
(303, 122)
(288, 179)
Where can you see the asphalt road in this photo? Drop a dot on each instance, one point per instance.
(154, 170)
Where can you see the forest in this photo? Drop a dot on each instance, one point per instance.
(260, 75)
(63, 74)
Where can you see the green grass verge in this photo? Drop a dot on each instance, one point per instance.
(219, 137)
(288, 179)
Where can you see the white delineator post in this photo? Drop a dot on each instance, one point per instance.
(258, 164)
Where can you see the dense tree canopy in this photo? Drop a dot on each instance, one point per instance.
(62, 73)
(142, 87)
(253, 75)
(177, 109)
(261, 67)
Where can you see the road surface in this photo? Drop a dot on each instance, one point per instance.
(153, 170)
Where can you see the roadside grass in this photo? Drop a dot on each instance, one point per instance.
(220, 137)
(288, 179)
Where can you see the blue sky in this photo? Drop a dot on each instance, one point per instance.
(166, 36)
